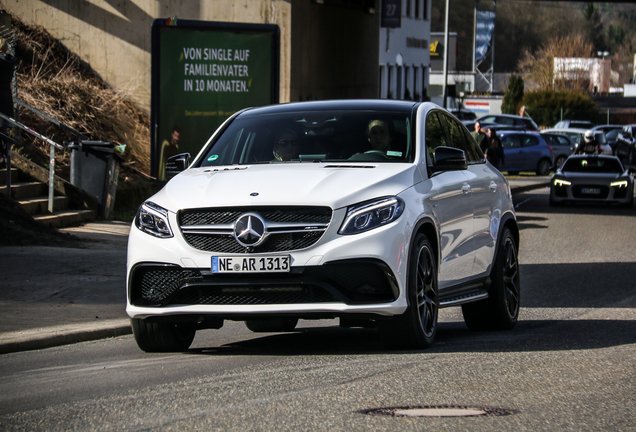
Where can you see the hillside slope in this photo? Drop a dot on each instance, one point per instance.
(58, 83)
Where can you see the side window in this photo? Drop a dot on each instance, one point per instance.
(489, 119)
(473, 148)
(530, 141)
(434, 136)
(457, 138)
(510, 142)
(551, 140)
(563, 140)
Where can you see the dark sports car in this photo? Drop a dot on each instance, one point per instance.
(585, 178)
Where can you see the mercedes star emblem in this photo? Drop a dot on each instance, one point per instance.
(249, 230)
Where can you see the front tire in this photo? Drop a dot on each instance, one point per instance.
(500, 310)
(559, 161)
(417, 327)
(162, 337)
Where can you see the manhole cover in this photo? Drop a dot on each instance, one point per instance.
(439, 411)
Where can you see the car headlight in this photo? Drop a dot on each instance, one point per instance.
(371, 214)
(561, 183)
(153, 219)
(619, 184)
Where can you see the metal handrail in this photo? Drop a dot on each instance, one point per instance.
(52, 146)
(7, 139)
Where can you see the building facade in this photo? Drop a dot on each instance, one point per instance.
(328, 48)
(404, 53)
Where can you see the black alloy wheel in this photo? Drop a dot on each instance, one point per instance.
(500, 311)
(417, 327)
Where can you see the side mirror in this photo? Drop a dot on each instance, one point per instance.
(449, 159)
(176, 164)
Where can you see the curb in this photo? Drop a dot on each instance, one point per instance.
(48, 337)
(526, 188)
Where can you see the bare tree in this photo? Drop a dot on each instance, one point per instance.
(538, 68)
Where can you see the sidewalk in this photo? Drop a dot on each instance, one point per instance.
(52, 296)
(58, 295)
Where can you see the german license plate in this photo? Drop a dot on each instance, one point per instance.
(591, 191)
(260, 264)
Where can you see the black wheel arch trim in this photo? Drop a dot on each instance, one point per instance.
(508, 220)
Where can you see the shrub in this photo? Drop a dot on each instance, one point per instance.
(545, 106)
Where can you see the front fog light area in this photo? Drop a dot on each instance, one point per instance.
(153, 219)
(372, 214)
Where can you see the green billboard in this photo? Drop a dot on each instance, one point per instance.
(202, 73)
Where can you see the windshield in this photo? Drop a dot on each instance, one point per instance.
(593, 165)
(364, 136)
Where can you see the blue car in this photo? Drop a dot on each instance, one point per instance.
(526, 151)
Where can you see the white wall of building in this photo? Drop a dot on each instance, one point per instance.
(404, 53)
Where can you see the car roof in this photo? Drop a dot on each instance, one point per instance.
(576, 130)
(504, 115)
(598, 156)
(613, 126)
(555, 133)
(339, 104)
(516, 131)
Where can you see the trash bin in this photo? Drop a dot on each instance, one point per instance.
(94, 168)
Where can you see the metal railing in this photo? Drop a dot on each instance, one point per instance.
(80, 139)
(52, 145)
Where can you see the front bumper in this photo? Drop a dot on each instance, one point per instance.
(340, 274)
(606, 193)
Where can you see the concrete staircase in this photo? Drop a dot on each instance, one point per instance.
(29, 187)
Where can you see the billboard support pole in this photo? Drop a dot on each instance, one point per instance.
(475, 41)
(492, 48)
(445, 86)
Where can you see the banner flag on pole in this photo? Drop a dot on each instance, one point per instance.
(483, 33)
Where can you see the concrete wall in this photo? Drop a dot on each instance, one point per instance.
(114, 37)
(334, 51)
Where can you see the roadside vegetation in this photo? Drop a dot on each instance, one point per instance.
(526, 27)
(58, 83)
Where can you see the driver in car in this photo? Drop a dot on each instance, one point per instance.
(286, 145)
(380, 136)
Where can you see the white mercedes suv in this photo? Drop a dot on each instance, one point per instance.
(375, 212)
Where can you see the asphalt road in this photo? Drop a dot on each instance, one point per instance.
(570, 364)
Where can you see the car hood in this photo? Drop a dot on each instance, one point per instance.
(591, 176)
(335, 185)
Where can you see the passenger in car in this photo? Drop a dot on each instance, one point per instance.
(286, 145)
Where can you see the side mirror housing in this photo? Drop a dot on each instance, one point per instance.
(176, 164)
(449, 159)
